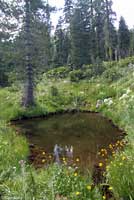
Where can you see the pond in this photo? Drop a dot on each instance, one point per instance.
(70, 138)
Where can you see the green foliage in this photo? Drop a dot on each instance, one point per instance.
(112, 74)
(76, 75)
(60, 72)
(13, 148)
(124, 38)
(49, 184)
(54, 91)
(56, 95)
(120, 174)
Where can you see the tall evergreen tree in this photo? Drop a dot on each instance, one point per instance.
(124, 38)
(61, 45)
(92, 49)
(29, 96)
(33, 40)
(68, 10)
(109, 29)
(99, 9)
(80, 31)
(131, 50)
(5, 42)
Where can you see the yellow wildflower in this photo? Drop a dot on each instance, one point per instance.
(77, 159)
(43, 160)
(75, 174)
(64, 162)
(123, 158)
(110, 188)
(77, 193)
(104, 197)
(89, 187)
(43, 153)
(110, 146)
(100, 164)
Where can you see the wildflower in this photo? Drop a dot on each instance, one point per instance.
(63, 159)
(43, 153)
(123, 158)
(50, 156)
(22, 162)
(110, 188)
(104, 197)
(77, 193)
(103, 150)
(100, 164)
(75, 174)
(43, 160)
(77, 159)
(89, 187)
(107, 167)
(64, 162)
(14, 167)
(110, 146)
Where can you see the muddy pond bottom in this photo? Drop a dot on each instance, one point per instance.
(78, 139)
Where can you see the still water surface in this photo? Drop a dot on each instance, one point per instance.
(78, 135)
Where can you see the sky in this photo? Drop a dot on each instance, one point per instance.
(123, 8)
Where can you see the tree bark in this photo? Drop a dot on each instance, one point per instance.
(28, 99)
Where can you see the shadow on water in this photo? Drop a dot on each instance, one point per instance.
(69, 138)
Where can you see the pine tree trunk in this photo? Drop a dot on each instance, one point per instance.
(28, 99)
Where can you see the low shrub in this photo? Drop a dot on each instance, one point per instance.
(112, 74)
(76, 75)
(60, 72)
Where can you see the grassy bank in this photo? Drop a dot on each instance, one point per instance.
(111, 93)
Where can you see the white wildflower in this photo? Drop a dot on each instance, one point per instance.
(124, 96)
(99, 103)
(128, 91)
(81, 92)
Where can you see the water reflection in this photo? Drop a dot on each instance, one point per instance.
(70, 136)
(64, 152)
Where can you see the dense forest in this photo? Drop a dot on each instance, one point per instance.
(85, 34)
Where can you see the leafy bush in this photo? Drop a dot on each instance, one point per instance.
(76, 75)
(54, 91)
(98, 67)
(60, 72)
(112, 74)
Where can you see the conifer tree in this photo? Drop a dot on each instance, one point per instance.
(61, 43)
(33, 39)
(131, 50)
(68, 10)
(80, 32)
(124, 38)
(99, 9)
(109, 29)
